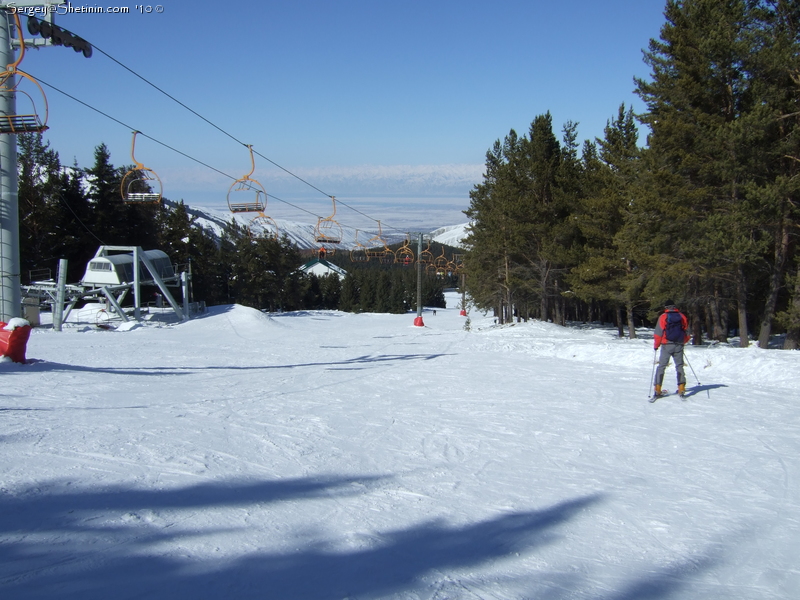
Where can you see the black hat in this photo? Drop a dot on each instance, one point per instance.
(669, 303)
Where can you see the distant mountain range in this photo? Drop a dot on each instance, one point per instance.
(303, 235)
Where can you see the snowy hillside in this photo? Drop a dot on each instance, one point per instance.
(452, 235)
(327, 455)
(303, 234)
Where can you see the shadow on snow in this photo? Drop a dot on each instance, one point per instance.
(161, 371)
(64, 543)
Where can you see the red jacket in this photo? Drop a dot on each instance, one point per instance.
(660, 334)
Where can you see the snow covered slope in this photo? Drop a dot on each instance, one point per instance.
(452, 235)
(326, 455)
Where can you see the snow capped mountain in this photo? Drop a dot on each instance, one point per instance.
(452, 235)
(303, 235)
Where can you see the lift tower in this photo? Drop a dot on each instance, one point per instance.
(40, 20)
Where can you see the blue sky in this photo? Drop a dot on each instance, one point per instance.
(389, 106)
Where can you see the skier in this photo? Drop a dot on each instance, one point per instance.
(670, 335)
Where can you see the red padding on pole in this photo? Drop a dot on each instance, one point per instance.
(463, 313)
(418, 322)
(13, 343)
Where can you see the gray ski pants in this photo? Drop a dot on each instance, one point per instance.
(675, 351)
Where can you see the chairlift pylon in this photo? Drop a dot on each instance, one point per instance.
(140, 185)
(458, 263)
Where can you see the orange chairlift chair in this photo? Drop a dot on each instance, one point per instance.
(15, 82)
(404, 254)
(247, 194)
(263, 226)
(426, 256)
(140, 185)
(328, 233)
(382, 252)
(440, 265)
(359, 252)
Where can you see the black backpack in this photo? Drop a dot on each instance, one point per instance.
(674, 328)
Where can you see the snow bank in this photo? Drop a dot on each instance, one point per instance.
(600, 346)
(14, 323)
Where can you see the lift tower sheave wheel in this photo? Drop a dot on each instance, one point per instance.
(140, 185)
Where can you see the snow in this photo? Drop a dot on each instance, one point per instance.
(15, 322)
(451, 235)
(318, 455)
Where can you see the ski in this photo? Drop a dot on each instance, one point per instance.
(664, 394)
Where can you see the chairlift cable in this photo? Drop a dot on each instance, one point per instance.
(209, 122)
(165, 145)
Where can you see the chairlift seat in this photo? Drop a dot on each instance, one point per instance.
(21, 124)
(143, 197)
(324, 239)
(240, 207)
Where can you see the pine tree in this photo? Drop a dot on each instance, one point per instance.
(701, 151)
(349, 299)
(76, 240)
(108, 211)
(608, 271)
(40, 188)
(775, 67)
(175, 238)
(491, 234)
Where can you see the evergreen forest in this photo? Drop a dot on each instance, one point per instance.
(702, 211)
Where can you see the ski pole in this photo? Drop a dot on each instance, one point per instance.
(690, 366)
(652, 373)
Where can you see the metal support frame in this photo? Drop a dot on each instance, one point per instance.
(139, 257)
(61, 294)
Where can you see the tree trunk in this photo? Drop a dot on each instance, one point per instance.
(720, 333)
(775, 280)
(631, 325)
(741, 300)
(620, 330)
(544, 270)
(558, 306)
(697, 327)
(792, 341)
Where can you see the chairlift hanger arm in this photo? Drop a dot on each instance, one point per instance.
(133, 146)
